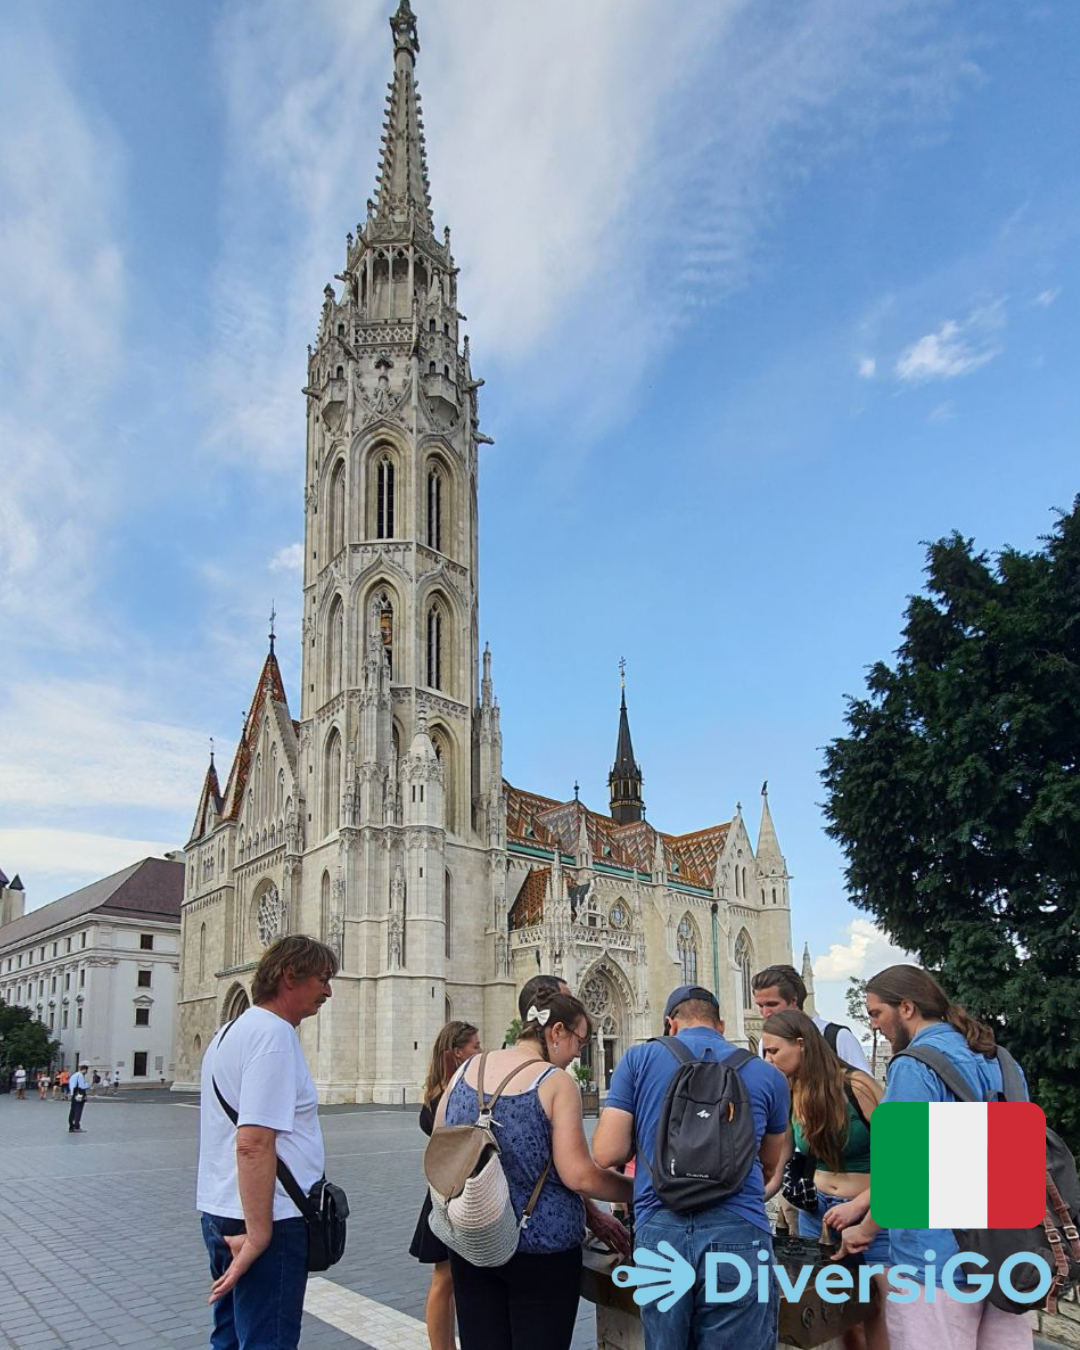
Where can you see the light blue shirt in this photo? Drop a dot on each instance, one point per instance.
(78, 1080)
(910, 1081)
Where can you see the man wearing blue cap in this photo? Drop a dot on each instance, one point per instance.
(735, 1224)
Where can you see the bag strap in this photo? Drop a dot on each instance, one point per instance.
(832, 1034)
(683, 1054)
(943, 1066)
(1012, 1085)
(288, 1181)
(487, 1104)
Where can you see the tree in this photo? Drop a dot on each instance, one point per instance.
(25, 1040)
(955, 796)
(513, 1031)
(855, 996)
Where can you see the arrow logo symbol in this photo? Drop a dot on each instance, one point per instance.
(662, 1274)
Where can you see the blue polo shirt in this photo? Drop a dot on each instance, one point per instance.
(910, 1081)
(639, 1085)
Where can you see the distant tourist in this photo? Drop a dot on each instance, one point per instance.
(455, 1043)
(20, 1083)
(43, 1086)
(79, 1088)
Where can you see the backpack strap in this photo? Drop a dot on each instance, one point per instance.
(1012, 1085)
(832, 1034)
(943, 1066)
(682, 1053)
(288, 1182)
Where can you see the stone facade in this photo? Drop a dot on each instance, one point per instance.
(380, 820)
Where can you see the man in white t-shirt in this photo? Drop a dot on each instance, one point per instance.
(779, 987)
(20, 1083)
(254, 1233)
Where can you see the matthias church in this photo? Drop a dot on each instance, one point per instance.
(379, 819)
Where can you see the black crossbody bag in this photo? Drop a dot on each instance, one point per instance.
(325, 1208)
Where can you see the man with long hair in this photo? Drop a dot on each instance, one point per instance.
(254, 1233)
(910, 1008)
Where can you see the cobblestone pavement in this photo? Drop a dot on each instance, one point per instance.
(100, 1243)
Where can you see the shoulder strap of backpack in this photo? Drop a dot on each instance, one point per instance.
(1012, 1085)
(288, 1181)
(684, 1055)
(487, 1104)
(832, 1034)
(945, 1069)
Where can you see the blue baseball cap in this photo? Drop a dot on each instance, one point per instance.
(689, 991)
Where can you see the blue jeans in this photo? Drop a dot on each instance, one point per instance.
(263, 1309)
(746, 1324)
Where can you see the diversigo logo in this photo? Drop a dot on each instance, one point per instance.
(955, 1165)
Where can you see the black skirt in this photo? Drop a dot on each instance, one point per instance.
(425, 1246)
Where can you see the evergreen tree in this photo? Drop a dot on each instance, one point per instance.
(855, 997)
(955, 796)
(25, 1040)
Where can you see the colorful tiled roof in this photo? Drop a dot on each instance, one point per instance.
(528, 908)
(532, 819)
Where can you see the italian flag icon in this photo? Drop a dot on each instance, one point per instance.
(957, 1165)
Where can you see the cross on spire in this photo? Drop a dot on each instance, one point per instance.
(273, 617)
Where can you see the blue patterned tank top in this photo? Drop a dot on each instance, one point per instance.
(524, 1133)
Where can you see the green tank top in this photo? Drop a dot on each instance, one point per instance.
(857, 1149)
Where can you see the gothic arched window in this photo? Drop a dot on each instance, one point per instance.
(324, 907)
(688, 952)
(331, 797)
(434, 647)
(336, 512)
(384, 499)
(447, 904)
(744, 959)
(202, 953)
(335, 646)
(435, 509)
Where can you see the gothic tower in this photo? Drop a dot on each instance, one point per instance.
(625, 780)
(401, 748)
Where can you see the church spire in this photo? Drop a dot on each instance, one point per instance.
(770, 859)
(625, 779)
(402, 190)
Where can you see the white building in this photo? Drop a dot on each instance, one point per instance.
(99, 968)
(380, 821)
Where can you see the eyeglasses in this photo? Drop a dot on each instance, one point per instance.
(582, 1041)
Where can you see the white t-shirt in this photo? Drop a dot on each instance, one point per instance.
(261, 1071)
(20, 1078)
(847, 1047)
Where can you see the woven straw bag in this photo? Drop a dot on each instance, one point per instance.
(471, 1210)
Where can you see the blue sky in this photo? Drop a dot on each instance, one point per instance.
(764, 295)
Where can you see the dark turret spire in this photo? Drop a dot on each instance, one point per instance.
(625, 779)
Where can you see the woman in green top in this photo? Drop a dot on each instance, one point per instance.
(831, 1106)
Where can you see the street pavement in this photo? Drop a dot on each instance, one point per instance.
(100, 1243)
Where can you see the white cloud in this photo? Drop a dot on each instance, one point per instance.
(70, 745)
(866, 951)
(600, 192)
(78, 856)
(867, 367)
(62, 279)
(288, 559)
(956, 348)
(944, 412)
(1046, 298)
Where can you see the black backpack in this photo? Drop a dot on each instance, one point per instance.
(1056, 1239)
(705, 1141)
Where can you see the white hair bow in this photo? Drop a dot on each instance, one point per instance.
(535, 1015)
